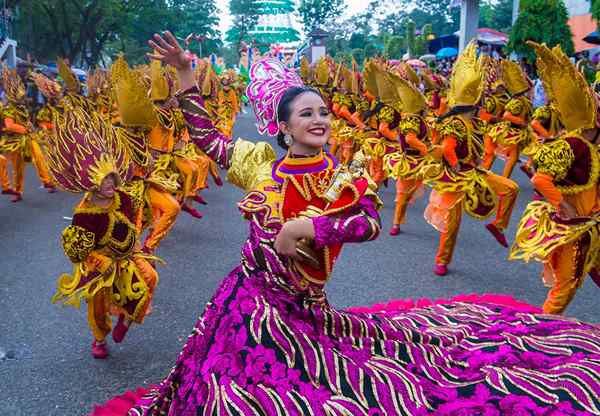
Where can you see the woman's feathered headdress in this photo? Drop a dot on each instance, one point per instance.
(84, 151)
(269, 80)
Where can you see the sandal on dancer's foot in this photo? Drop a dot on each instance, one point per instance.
(192, 211)
(199, 199)
(440, 269)
(50, 188)
(498, 234)
(99, 350)
(120, 330)
(9, 191)
(17, 197)
(395, 230)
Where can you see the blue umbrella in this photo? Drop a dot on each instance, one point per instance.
(446, 53)
(593, 38)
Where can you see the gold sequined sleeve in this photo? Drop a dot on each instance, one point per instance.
(77, 243)
(251, 164)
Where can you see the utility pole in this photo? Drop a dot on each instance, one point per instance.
(515, 13)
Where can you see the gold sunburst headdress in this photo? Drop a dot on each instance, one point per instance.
(413, 100)
(369, 77)
(466, 81)
(408, 73)
(12, 84)
(131, 93)
(49, 88)
(72, 84)
(305, 70)
(322, 72)
(98, 82)
(84, 151)
(161, 88)
(566, 87)
(515, 79)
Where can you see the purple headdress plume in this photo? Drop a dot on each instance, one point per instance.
(269, 80)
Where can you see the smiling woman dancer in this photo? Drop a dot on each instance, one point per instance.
(269, 343)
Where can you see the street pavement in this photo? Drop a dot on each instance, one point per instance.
(45, 362)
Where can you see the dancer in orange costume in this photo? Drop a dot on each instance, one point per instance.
(563, 232)
(110, 273)
(407, 164)
(458, 184)
(152, 178)
(19, 142)
(511, 136)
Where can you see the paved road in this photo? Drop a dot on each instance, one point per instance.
(47, 369)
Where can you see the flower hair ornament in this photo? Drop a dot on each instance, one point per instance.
(269, 80)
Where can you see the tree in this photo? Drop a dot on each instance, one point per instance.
(200, 17)
(245, 17)
(394, 47)
(542, 21)
(316, 14)
(358, 54)
(596, 10)
(496, 15)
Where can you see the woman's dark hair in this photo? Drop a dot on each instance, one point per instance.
(457, 109)
(284, 108)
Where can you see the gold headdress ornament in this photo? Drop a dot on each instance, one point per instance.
(566, 87)
(385, 87)
(131, 93)
(428, 82)
(514, 77)
(305, 72)
(338, 75)
(466, 82)
(48, 87)
(346, 79)
(355, 87)
(408, 73)
(492, 73)
(369, 78)
(208, 84)
(71, 81)
(322, 72)
(160, 89)
(98, 82)
(12, 84)
(413, 101)
(84, 150)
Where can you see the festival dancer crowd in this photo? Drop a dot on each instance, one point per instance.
(141, 142)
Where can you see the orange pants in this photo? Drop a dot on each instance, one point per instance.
(100, 306)
(566, 270)
(189, 172)
(507, 192)
(4, 181)
(18, 167)
(376, 170)
(511, 152)
(165, 209)
(405, 190)
(39, 161)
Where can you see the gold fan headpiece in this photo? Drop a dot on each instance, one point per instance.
(49, 88)
(369, 73)
(322, 72)
(514, 77)
(566, 87)
(466, 82)
(72, 84)
(131, 92)
(160, 89)
(12, 84)
(413, 100)
(385, 87)
(355, 73)
(408, 73)
(305, 71)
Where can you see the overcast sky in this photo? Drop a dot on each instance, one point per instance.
(352, 7)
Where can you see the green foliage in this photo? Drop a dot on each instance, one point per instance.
(542, 21)
(596, 10)
(394, 47)
(358, 54)
(87, 32)
(496, 15)
(318, 14)
(245, 17)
